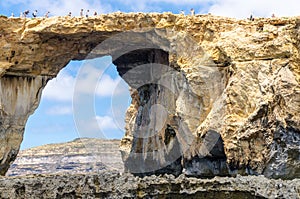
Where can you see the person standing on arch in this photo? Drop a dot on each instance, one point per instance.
(26, 12)
(47, 14)
(34, 14)
(192, 12)
(81, 12)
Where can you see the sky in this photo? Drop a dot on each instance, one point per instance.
(54, 120)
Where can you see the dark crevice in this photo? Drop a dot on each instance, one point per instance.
(139, 57)
(211, 160)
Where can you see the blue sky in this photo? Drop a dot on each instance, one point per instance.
(53, 121)
(231, 8)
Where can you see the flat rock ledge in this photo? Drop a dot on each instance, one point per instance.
(116, 185)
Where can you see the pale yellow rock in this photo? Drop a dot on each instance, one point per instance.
(241, 81)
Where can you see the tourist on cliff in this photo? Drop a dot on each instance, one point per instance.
(12, 15)
(34, 14)
(25, 13)
(81, 13)
(192, 12)
(69, 14)
(47, 14)
(87, 13)
(251, 18)
(273, 15)
(182, 12)
(95, 13)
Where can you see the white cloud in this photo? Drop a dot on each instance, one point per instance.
(108, 86)
(92, 81)
(60, 88)
(59, 110)
(180, 2)
(99, 126)
(106, 123)
(243, 9)
(229, 8)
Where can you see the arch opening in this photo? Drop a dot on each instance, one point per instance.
(51, 142)
(54, 114)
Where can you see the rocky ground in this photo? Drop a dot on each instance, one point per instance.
(78, 156)
(92, 168)
(116, 185)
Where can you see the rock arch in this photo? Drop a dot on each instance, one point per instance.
(258, 73)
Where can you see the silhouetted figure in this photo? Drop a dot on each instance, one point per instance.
(34, 14)
(69, 14)
(81, 13)
(26, 12)
(251, 18)
(273, 15)
(192, 12)
(47, 14)
(182, 12)
(95, 13)
(87, 13)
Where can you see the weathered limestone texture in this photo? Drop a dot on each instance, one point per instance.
(114, 185)
(230, 89)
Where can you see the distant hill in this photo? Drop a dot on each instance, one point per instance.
(78, 156)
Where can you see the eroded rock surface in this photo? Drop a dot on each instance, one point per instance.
(234, 83)
(114, 185)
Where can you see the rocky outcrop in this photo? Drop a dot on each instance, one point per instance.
(114, 185)
(210, 95)
(85, 155)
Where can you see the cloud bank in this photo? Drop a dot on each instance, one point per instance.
(230, 8)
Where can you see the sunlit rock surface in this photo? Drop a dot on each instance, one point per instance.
(226, 102)
(85, 155)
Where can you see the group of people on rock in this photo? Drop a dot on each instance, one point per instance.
(251, 18)
(35, 14)
(81, 13)
(192, 12)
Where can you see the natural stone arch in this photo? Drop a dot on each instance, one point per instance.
(260, 76)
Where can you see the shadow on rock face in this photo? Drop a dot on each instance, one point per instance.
(211, 160)
(284, 160)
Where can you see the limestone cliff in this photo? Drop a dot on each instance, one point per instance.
(225, 98)
(85, 155)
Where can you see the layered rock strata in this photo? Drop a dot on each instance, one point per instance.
(210, 95)
(114, 185)
(85, 155)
